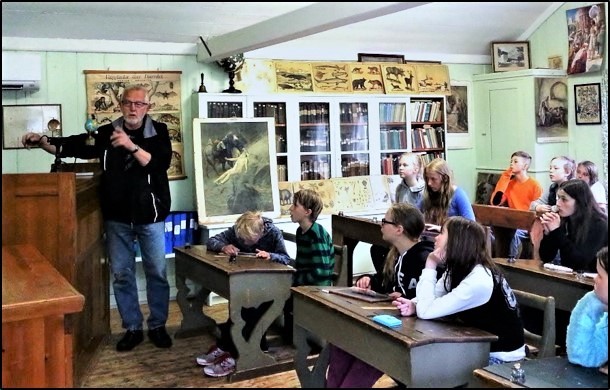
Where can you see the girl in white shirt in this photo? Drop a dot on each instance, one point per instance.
(587, 172)
(472, 289)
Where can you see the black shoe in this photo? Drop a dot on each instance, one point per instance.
(130, 339)
(159, 337)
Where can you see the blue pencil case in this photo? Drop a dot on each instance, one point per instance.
(387, 320)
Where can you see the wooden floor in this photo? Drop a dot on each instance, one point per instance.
(148, 366)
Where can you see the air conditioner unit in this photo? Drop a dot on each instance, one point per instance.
(21, 71)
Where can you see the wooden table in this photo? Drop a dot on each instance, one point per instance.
(37, 304)
(543, 373)
(407, 353)
(246, 282)
(531, 276)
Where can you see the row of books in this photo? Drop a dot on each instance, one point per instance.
(389, 163)
(315, 169)
(354, 168)
(282, 172)
(224, 110)
(313, 113)
(274, 110)
(426, 111)
(354, 113)
(428, 137)
(394, 138)
(392, 113)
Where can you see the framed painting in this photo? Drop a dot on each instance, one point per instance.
(486, 184)
(551, 109)
(586, 38)
(587, 104)
(17, 120)
(367, 57)
(235, 168)
(459, 118)
(508, 56)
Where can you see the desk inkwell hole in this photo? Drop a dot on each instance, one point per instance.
(233, 259)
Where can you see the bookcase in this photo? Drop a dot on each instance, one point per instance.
(329, 136)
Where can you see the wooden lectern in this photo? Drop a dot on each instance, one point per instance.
(59, 213)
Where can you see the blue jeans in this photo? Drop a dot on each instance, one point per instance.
(520, 236)
(120, 240)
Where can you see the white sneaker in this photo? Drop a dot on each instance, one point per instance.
(224, 367)
(212, 356)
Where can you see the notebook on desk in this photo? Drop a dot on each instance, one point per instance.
(362, 294)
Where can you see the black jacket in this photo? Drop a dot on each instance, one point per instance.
(405, 278)
(129, 192)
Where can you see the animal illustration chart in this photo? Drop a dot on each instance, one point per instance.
(366, 77)
(105, 90)
(331, 77)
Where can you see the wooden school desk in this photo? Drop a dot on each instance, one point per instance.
(419, 353)
(549, 372)
(532, 277)
(246, 282)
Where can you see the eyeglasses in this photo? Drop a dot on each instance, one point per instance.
(128, 103)
(384, 221)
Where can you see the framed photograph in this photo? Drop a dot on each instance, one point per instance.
(587, 104)
(235, 168)
(366, 57)
(17, 120)
(508, 56)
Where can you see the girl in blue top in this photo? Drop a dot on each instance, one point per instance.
(442, 199)
(587, 340)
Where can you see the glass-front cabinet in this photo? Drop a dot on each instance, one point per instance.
(323, 137)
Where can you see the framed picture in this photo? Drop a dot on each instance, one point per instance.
(17, 120)
(459, 118)
(365, 57)
(508, 56)
(587, 104)
(486, 184)
(586, 38)
(235, 168)
(551, 109)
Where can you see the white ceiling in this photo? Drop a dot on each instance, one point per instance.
(450, 32)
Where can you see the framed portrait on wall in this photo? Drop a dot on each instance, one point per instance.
(586, 38)
(235, 168)
(587, 104)
(368, 57)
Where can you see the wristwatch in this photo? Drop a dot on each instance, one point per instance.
(135, 150)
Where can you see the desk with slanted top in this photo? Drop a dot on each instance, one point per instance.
(504, 222)
(246, 282)
(531, 276)
(407, 353)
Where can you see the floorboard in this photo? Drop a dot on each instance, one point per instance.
(148, 366)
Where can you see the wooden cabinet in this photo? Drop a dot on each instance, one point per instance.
(505, 113)
(329, 136)
(37, 302)
(60, 215)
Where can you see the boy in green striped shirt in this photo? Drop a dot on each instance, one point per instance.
(315, 259)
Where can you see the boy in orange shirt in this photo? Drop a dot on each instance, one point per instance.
(517, 190)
